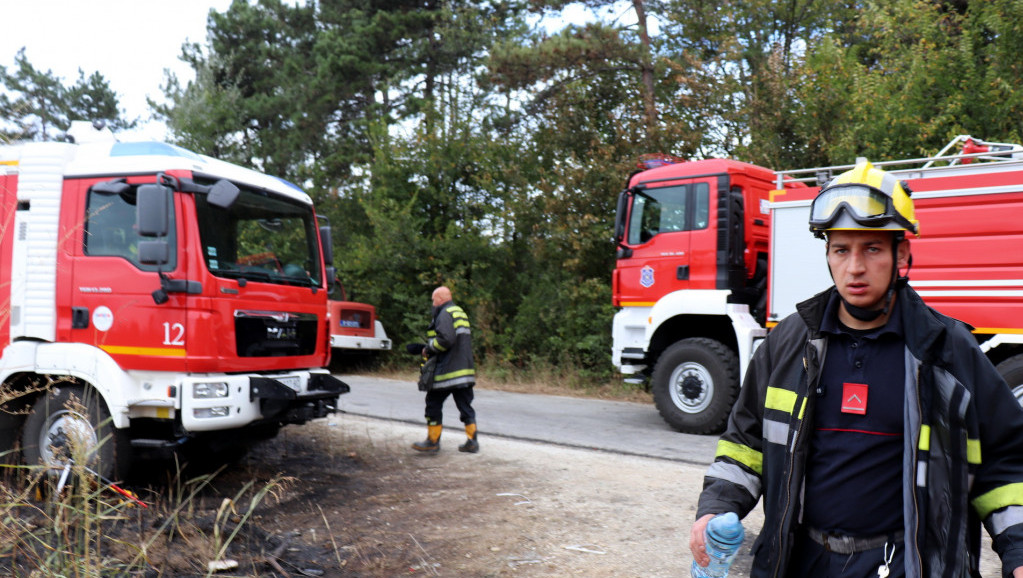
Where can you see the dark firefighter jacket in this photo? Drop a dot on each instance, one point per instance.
(450, 338)
(963, 458)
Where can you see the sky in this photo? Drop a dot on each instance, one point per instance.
(129, 42)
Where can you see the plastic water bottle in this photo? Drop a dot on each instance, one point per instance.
(724, 535)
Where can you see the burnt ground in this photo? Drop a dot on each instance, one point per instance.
(360, 502)
(347, 496)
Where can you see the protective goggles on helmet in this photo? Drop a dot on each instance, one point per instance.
(865, 206)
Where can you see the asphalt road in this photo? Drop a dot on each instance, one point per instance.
(612, 426)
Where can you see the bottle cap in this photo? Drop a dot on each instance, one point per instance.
(726, 527)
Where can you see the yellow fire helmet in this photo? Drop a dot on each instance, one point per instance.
(863, 198)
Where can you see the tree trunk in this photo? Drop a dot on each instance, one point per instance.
(647, 70)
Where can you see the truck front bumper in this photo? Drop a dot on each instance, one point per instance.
(221, 402)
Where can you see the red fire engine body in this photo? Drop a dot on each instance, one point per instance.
(179, 298)
(713, 253)
(355, 329)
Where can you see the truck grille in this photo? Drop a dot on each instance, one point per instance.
(274, 334)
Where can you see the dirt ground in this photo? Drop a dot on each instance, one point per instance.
(369, 506)
(514, 509)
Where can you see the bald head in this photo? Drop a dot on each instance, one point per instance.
(441, 295)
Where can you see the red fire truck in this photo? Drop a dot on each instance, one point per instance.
(712, 253)
(354, 328)
(179, 299)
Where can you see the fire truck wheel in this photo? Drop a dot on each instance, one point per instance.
(71, 423)
(695, 382)
(1012, 372)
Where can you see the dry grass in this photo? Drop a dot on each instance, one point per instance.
(80, 524)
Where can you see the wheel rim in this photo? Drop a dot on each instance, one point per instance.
(1018, 392)
(65, 435)
(692, 388)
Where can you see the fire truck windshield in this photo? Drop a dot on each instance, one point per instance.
(261, 237)
(668, 210)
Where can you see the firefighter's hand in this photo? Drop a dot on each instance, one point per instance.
(697, 543)
(1018, 572)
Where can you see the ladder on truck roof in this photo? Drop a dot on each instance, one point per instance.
(971, 150)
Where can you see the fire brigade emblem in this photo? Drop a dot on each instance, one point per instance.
(646, 276)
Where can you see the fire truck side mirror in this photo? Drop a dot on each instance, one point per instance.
(620, 212)
(223, 194)
(327, 241)
(152, 207)
(331, 278)
(154, 252)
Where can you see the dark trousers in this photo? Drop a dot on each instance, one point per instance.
(811, 560)
(463, 400)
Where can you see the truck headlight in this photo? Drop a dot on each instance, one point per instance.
(209, 390)
(221, 411)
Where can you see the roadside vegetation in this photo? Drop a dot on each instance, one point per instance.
(570, 381)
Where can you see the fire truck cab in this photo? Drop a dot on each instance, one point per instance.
(175, 298)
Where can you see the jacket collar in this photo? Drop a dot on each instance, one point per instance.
(437, 309)
(921, 325)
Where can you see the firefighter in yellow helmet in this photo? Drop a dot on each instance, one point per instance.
(857, 416)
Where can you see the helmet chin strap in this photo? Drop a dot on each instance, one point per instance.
(871, 314)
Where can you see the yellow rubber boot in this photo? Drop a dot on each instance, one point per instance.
(432, 443)
(471, 445)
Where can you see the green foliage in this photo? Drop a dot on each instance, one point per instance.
(37, 105)
(562, 322)
(909, 75)
(463, 143)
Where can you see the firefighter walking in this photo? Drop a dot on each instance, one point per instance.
(449, 339)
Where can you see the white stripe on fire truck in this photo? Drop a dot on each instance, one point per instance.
(970, 293)
(969, 283)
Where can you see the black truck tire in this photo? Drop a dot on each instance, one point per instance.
(55, 432)
(695, 383)
(1011, 370)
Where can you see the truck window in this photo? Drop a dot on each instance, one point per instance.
(111, 231)
(261, 238)
(668, 210)
(701, 202)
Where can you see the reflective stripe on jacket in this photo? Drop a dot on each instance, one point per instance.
(963, 458)
(450, 338)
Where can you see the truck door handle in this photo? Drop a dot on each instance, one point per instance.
(79, 318)
(682, 273)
